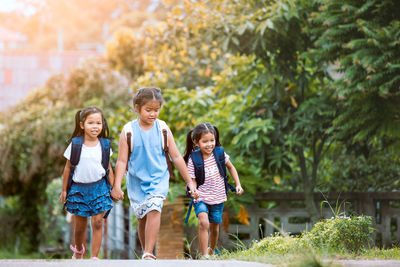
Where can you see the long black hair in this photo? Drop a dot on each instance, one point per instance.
(81, 116)
(195, 135)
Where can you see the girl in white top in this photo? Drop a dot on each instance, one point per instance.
(89, 195)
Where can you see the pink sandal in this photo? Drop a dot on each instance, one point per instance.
(94, 258)
(79, 252)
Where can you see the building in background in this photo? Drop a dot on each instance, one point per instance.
(21, 71)
(11, 40)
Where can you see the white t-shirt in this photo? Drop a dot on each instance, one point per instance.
(89, 168)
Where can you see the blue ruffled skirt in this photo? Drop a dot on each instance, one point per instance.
(88, 199)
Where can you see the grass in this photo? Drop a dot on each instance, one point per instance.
(288, 251)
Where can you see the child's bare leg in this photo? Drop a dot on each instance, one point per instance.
(97, 233)
(80, 225)
(141, 231)
(214, 234)
(153, 221)
(204, 225)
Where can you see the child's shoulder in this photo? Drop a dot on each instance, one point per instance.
(162, 124)
(128, 126)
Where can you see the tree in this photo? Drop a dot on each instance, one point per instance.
(291, 90)
(361, 40)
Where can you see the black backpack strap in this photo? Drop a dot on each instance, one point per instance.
(76, 148)
(105, 155)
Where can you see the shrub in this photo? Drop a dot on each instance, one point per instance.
(276, 244)
(340, 234)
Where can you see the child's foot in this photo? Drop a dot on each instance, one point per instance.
(205, 257)
(94, 258)
(77, 252)
(148, 256)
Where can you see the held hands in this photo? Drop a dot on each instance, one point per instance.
(239, 190)
(63, 197)
(193, 191)
(117, 194)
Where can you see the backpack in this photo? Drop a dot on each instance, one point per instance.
(76, 148)
(164, 143)
(198, 164)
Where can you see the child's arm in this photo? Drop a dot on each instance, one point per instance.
(120, 168)
(235, 176)
(180, 164)
(111, 175)
(63, 195)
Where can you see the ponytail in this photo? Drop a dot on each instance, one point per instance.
(217, 143)
(189, 146)
(78, 131)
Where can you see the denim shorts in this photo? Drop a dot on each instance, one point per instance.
(214, 211)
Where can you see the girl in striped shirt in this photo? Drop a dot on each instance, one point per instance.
(204, 140)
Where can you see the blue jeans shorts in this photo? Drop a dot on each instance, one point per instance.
(214, 211)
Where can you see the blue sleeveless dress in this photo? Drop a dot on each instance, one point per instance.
(148, 176)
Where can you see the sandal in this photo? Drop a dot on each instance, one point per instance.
(79, 252)
(94, 258)
(148, 256)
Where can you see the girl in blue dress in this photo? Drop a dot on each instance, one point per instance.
(147, 175)
(89, 195)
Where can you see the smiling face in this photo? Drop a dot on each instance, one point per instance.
(206, 144)
(149, 112)
(92, 125)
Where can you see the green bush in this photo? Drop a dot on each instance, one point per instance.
(9, 218)
(340, 234)
(277, 244)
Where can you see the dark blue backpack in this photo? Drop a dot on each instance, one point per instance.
(76, 148)
(198, 164)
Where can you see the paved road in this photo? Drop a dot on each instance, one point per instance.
(128, 263)
(175, 263)
(368, 263)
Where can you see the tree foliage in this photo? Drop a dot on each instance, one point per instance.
(361, 39)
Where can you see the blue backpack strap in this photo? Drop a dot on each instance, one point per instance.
(189, 210)
(198, 164)
(105, 162)
(76, 148)
(219, 155)
(105, 155)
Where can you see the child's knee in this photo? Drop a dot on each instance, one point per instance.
(203, 220)
(214, 227)
(97, 223)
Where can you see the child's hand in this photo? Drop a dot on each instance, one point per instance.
(63, 197)
(193, 192)
(239, 190)
(117, 194)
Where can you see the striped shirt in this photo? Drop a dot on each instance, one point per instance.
(213, 190)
